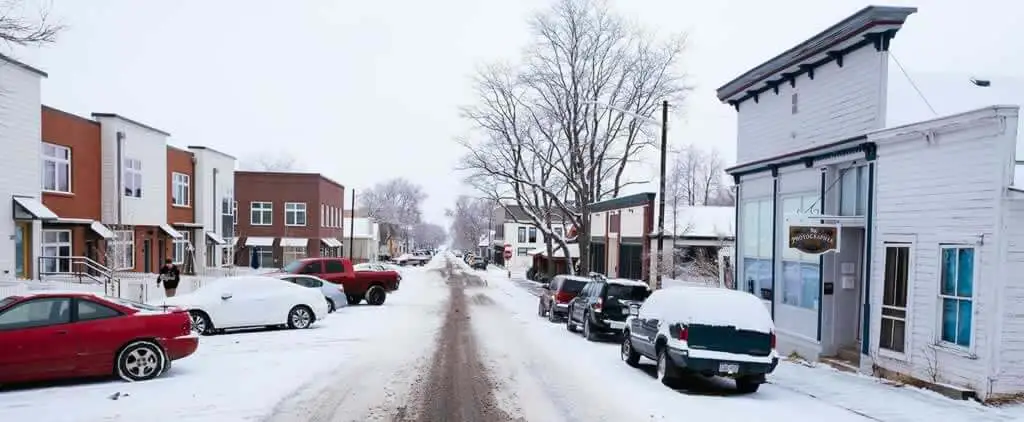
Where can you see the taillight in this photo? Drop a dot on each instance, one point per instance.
(599, 305)
(563, 297)
(773, 339)
(684, 333)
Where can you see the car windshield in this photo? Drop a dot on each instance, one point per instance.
(573, 286)
(627, 292)
(292, 267)
(131, 304)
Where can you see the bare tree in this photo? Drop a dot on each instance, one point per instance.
(695, 177)
(723, 197)
(429, 235)
(471, 219)
(395, 206)
(561, 110)
(280, 161)
(710, 172)
(18, 30)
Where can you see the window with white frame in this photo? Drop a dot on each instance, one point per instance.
(234, 212)
(323, 215)
(292, 253)
(295, 213)
(558, 231)
(261, 213)
(521, 235)
(533, 235)
(755, 241)
(522, 251)
(893, 333)
(56, 251)
(181, 247)
(124, 249)
(956, 294)
(180, 185)
(800, 275)
(132, 175)
(56, 168)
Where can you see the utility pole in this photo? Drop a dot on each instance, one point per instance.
(661, 194)
(352, 228)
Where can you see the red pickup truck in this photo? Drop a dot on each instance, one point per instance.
(370, 285)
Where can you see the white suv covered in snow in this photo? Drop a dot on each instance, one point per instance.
(703, 330)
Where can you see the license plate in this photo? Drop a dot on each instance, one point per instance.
(728, 368)
(625, 311)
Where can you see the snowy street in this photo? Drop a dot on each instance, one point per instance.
(458, 345)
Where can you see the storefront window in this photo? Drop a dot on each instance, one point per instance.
(800, 280)
(853, 191)
(756, 241)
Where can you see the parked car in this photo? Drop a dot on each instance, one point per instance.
(248, 302)
(554, 304)
(54, 335)
(709, 331)
(479, 263)
(602, 307)
(334, 293)
(370, 285)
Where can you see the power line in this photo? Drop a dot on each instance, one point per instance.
(911, 80)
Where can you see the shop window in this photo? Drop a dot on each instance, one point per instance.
(756, 244)
(853, 191)
(800, 278)
(956, 293)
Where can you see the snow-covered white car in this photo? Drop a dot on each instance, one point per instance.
(703, 330)
(250, 301)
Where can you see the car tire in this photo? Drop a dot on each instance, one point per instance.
(301, 317)
(330, 306)
(666, 371)
(569, 325)
(201, 323)
(746, 385)
(140, 361)
(540, 309)
(354, 299)
(627, 352)
(552, 316)
(588, 329)
(376, 295)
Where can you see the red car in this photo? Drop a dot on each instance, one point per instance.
(53, 335)
(370, 285)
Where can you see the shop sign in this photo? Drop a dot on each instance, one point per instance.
(814, 239)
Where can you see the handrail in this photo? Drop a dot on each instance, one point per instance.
(77, 266)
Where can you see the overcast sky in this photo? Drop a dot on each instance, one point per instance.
(366, 91)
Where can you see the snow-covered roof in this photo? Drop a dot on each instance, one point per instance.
(574, 251)
(700, 221)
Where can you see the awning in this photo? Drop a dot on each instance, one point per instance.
(26, 208)
(331, 242)
(294, 242)
(259, 241)
(215, 238)
(101, 230)
(170, 231)
(189, 225)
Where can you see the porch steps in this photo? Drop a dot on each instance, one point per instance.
(840, 364)
(849, 355)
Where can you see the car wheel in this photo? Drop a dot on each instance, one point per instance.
(666, 372)
(569, 325)
(746, 385)
(330, 306)
(376, 295)
(629, 355)
(354, 299)
(588, 331)
(141, 361)
(300, 317)
(540, 309)
(201, 323)
(552, 316)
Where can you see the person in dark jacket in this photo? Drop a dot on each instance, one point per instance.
(169, 276)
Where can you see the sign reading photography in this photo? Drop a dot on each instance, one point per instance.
(813, 239)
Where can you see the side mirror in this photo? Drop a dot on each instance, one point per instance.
(634, 310)
(225, 296)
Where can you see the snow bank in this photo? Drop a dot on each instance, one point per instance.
(710, 306)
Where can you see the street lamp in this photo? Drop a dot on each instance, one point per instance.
(661, 182)
(984, 83)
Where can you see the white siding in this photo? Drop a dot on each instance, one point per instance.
(945, 190)
(209, 203)
(631, 222)
(1009, 371)
(840, 102)
(20, 134)
(151, 148)
(598, 224)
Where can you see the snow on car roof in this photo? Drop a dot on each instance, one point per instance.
(627, 282)
(710, 306)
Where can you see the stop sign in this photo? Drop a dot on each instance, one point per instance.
(508, 252)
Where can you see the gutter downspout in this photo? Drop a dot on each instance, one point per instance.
(118, 179)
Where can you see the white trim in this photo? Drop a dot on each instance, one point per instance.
(293, 210)
(57, 162)
(908, 337)
(184, 182)
(941, 344)
(58, 244)
(266, 208)
(132, 169)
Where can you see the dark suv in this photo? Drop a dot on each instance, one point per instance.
(603, 306)
(556, 296)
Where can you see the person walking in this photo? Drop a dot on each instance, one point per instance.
(169, 276)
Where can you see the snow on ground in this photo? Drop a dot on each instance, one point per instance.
(245, 375)
(542, 363)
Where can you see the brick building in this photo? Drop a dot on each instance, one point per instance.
(287, 216)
